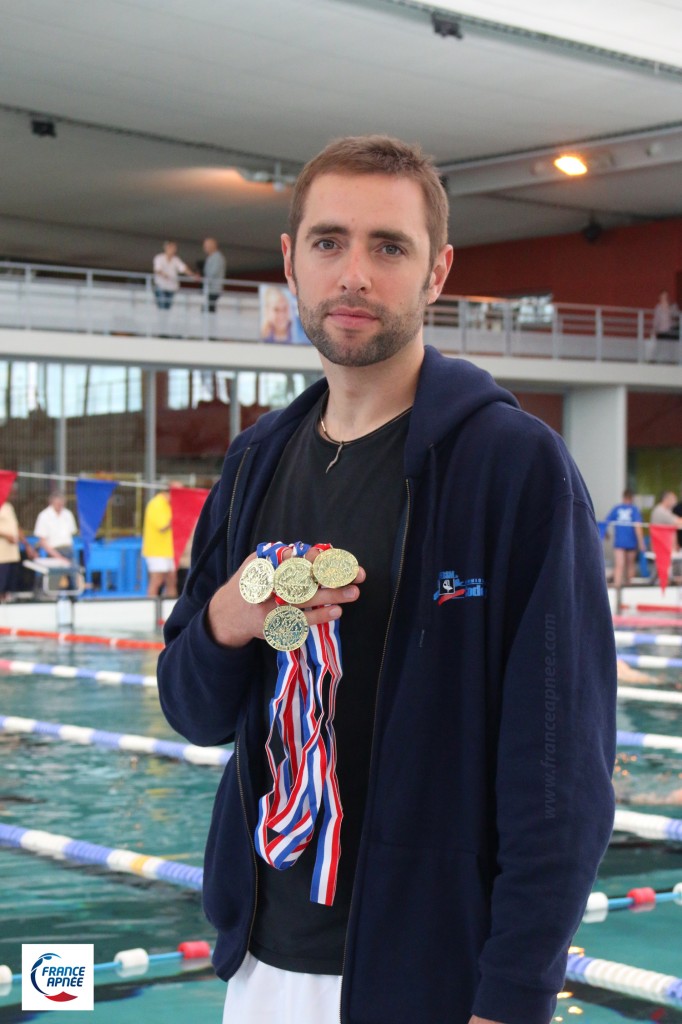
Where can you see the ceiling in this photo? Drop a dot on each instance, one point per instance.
(158, 105)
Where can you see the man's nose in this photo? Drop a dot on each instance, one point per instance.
(355, 272)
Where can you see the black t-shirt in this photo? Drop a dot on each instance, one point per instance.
(356, 506)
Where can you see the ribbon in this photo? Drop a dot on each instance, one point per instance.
(305, 787)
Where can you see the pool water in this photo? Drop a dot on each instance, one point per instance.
(114, 798)
(162, 807)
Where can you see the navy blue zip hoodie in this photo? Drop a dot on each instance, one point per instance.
(489, 801)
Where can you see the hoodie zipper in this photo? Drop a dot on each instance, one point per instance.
(376, 704)
(250, 838)
(234, 495)
(237, 745)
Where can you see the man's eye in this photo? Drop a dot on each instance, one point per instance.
(391, 249)
(325, 244)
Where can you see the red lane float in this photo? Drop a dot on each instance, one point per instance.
(81, 638)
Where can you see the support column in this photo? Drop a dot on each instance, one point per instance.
(60, 434)
(595, 430)
(150, 426)
(235, 409)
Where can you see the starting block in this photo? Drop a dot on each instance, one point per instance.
(53, 571)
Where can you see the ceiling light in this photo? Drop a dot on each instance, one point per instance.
(569, 163)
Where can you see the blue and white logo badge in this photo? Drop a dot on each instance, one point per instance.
(452, 588)
(57, 976)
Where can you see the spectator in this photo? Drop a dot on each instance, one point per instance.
(167, 269)
(11, 537)
(214, 273)
(662, 514)
(677, 511)
(628, 538)
(157, 544)
(55, 528)
(665, 318)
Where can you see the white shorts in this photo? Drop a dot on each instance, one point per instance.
(160, 564)
(260, 994)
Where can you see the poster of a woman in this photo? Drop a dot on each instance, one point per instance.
(280, 323)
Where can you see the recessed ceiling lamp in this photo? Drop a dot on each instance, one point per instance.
(569, 163)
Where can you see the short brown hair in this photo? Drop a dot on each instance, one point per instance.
(377, 154)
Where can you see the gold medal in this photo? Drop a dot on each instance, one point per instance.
(256, 581)
(335, 567)
(285, 628)
(294, 581)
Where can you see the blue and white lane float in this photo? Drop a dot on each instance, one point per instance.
(650, 661)
(133, 962)
(648, 740)
(643, 898)
(117, 740)
(650, 696)
(631, 981)
(625, 639)
(30, 668)
(648, 826)
(48, 844)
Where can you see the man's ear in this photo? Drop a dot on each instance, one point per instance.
(288, 254)
(439, 274)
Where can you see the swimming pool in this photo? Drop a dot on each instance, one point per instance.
(114, 798)
(157, 806)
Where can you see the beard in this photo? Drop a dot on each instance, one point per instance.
(393, 333)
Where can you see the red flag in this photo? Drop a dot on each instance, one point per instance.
(662, 543)
(186, 504)
(7, 478)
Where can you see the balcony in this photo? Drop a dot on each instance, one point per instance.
(37, 297)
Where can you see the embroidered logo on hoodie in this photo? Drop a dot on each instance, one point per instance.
(452, 588)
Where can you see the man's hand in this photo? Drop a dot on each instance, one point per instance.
(483, 1020)
(233, 622)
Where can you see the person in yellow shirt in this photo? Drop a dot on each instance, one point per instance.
(157, 544)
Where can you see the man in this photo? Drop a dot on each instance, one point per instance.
(55, 529)
(214, 273)
(474, 721)
(157, 545)
(167, 270)
(628, 538)
(662, 514)
(667, 513)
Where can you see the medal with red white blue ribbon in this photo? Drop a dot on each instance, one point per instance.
(305, 788)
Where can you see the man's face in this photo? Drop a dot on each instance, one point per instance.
(57, 502)
(361, 270)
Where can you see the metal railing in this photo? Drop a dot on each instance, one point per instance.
(81, 299)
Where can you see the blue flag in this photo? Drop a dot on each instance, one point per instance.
(92, 497)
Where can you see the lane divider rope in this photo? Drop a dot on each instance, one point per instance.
(82, 638)
(632, 981)
(49, 844)
(116, 740)
(132, 962)
(650, 740)
(648, 826)
(29, 668)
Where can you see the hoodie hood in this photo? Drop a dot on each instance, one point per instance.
(448, 393)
